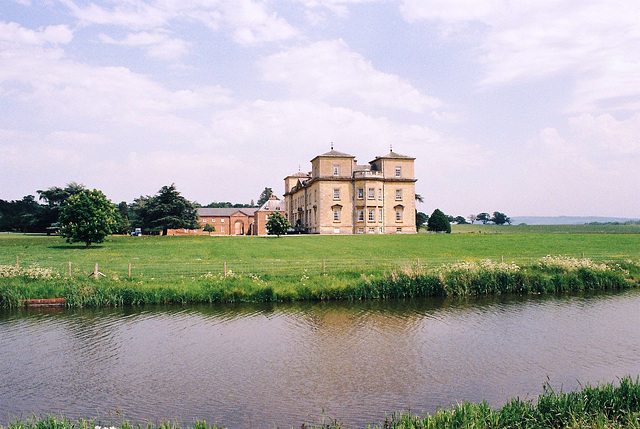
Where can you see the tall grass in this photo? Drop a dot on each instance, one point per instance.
(546, 275)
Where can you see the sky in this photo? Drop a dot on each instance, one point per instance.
(527, 107)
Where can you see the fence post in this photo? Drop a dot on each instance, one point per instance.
(69, 268)
(502, 259)
(418, 263)
(225, 268)
(95, 271)
(17, 263)
(129, 269)
(324, 268)
(582, 255)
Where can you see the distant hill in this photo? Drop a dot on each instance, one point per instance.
(565, 220)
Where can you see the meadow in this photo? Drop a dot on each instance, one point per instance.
(203, 269)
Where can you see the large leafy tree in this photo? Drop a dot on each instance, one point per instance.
(421, 219)
(87, 217)
(55, 197)
(500, 218)
(483, 217)
(438, 222)
(264, 196)
(277, 224)
(165, 210)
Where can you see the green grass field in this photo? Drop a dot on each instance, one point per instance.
(161, 257)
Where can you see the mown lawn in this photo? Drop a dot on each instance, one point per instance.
(163, 256)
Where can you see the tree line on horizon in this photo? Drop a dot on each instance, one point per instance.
(62, 210)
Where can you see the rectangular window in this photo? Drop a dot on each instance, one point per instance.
(204, 221)
(372, 230)
(360, 230)
(336, 194)
(221, 220)
(379, 215)
(380, 230)
(222, 229)
(380, 194)
(398, 194)
(360, 193)
(213, 221)
(372, 215)
(360, 215)
(336, 215)
(399, 215)
(398, 171)
(336, 170)
(336, 230)
(398, 229)
(372, 193)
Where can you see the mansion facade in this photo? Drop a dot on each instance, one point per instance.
(339, 196)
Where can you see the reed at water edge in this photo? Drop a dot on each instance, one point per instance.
(546, 275)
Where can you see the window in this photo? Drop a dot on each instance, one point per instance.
(336, 215)
(336, 194)
(204, 221)
(360, 230)
(360, 193)
(372, 230)
(398, 229)
(398, 171)
(398, 215)
(221, 220)
(372, 193)
(398, 194)
(360, 215)
(336, 230)
(213, 221)
(379, 215)
(372, 215)
(336, 170)
(380, 194)
(222, 229)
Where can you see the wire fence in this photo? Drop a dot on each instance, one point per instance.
(138, 269)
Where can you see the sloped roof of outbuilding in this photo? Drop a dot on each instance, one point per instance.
(225, 211)
(334, 154)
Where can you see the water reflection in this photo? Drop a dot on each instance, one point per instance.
(282, 364)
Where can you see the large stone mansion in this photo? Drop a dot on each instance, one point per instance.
(339, 196)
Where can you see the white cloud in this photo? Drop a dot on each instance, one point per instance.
(595, 42)
(157, 44)
(250, 22)
(329, 69)
(54, 34)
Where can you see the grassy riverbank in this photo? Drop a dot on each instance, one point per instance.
(546, 275)
(604, 406)
(167, 270)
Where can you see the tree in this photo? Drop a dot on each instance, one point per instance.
(438, 222)
(166, 210)
(209, 228)
(122, 219)
(460, 220)
(500, 218)
(421, 219)
(55, 198)
(483, 217)
(277, 224)
(87, 217)
(472, 218)
(264, 196)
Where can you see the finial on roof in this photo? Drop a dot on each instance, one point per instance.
(390, 148)
(298, 168)
(331, 145)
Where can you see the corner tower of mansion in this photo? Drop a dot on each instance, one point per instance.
(339, 196)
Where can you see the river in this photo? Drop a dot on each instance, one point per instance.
(286, 364)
